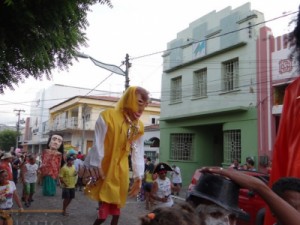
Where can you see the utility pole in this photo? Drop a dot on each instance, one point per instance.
(113, 68)
(18, 124)
(84, 112)
(127, 66)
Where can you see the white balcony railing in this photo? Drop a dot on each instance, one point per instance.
(70, 123)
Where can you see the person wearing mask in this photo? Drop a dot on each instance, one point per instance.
(52, 159)
(182, 213)
(118, 133)
(286, 213)
(215, 199)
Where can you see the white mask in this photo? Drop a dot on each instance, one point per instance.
(215, 215)
(55, 142)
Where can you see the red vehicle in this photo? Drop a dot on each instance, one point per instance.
(249, 201)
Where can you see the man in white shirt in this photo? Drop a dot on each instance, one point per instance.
(78, 163)
(176, 178)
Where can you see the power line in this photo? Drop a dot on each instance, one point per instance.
(150, 54)
(217, 36)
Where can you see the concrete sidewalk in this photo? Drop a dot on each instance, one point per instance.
(47, 210)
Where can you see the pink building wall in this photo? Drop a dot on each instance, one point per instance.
(273, 68)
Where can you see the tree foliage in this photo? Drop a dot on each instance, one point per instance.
(8, 139)
(37, 36)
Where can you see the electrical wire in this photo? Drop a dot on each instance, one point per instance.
(217, 36)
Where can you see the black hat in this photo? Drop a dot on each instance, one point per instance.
(162, 167)
(221, 191)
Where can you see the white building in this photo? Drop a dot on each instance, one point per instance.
(39, 112)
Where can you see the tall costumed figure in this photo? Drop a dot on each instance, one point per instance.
(52, 159)
(118, 133)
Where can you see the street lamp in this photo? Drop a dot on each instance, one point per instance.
(110, 67)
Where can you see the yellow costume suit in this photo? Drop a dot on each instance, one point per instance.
(115, 137)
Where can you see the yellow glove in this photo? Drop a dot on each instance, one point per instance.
(135, 188)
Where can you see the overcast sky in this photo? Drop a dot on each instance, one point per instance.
(139, 28)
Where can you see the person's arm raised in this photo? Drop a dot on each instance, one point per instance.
(283, 211)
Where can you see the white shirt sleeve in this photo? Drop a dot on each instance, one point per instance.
(137, 158)
(96, 153)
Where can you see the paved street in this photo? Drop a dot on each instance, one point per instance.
(82, 211)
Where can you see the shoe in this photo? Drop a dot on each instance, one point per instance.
(31, 200)
(27, 204)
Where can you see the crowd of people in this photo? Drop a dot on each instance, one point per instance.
(118, 135)
(56, 168)
(249, 165)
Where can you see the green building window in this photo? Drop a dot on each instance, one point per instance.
(182, 147)
(200, 84)
(232, 146)
(176, 90)
(230, 76)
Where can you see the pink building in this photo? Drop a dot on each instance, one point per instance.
(275, 71)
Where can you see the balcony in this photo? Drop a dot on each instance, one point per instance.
(66, 124)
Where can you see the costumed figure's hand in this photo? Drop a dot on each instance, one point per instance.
(92, 176)
(135, 188)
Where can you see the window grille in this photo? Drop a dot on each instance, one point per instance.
(200, 83)
(176, 90)
(181, 146)
(230, 75)
(232, 145)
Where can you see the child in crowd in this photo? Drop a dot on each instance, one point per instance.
(148, 181)
(30, 179)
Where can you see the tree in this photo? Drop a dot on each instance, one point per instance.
(37, 36)
(8, 139)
